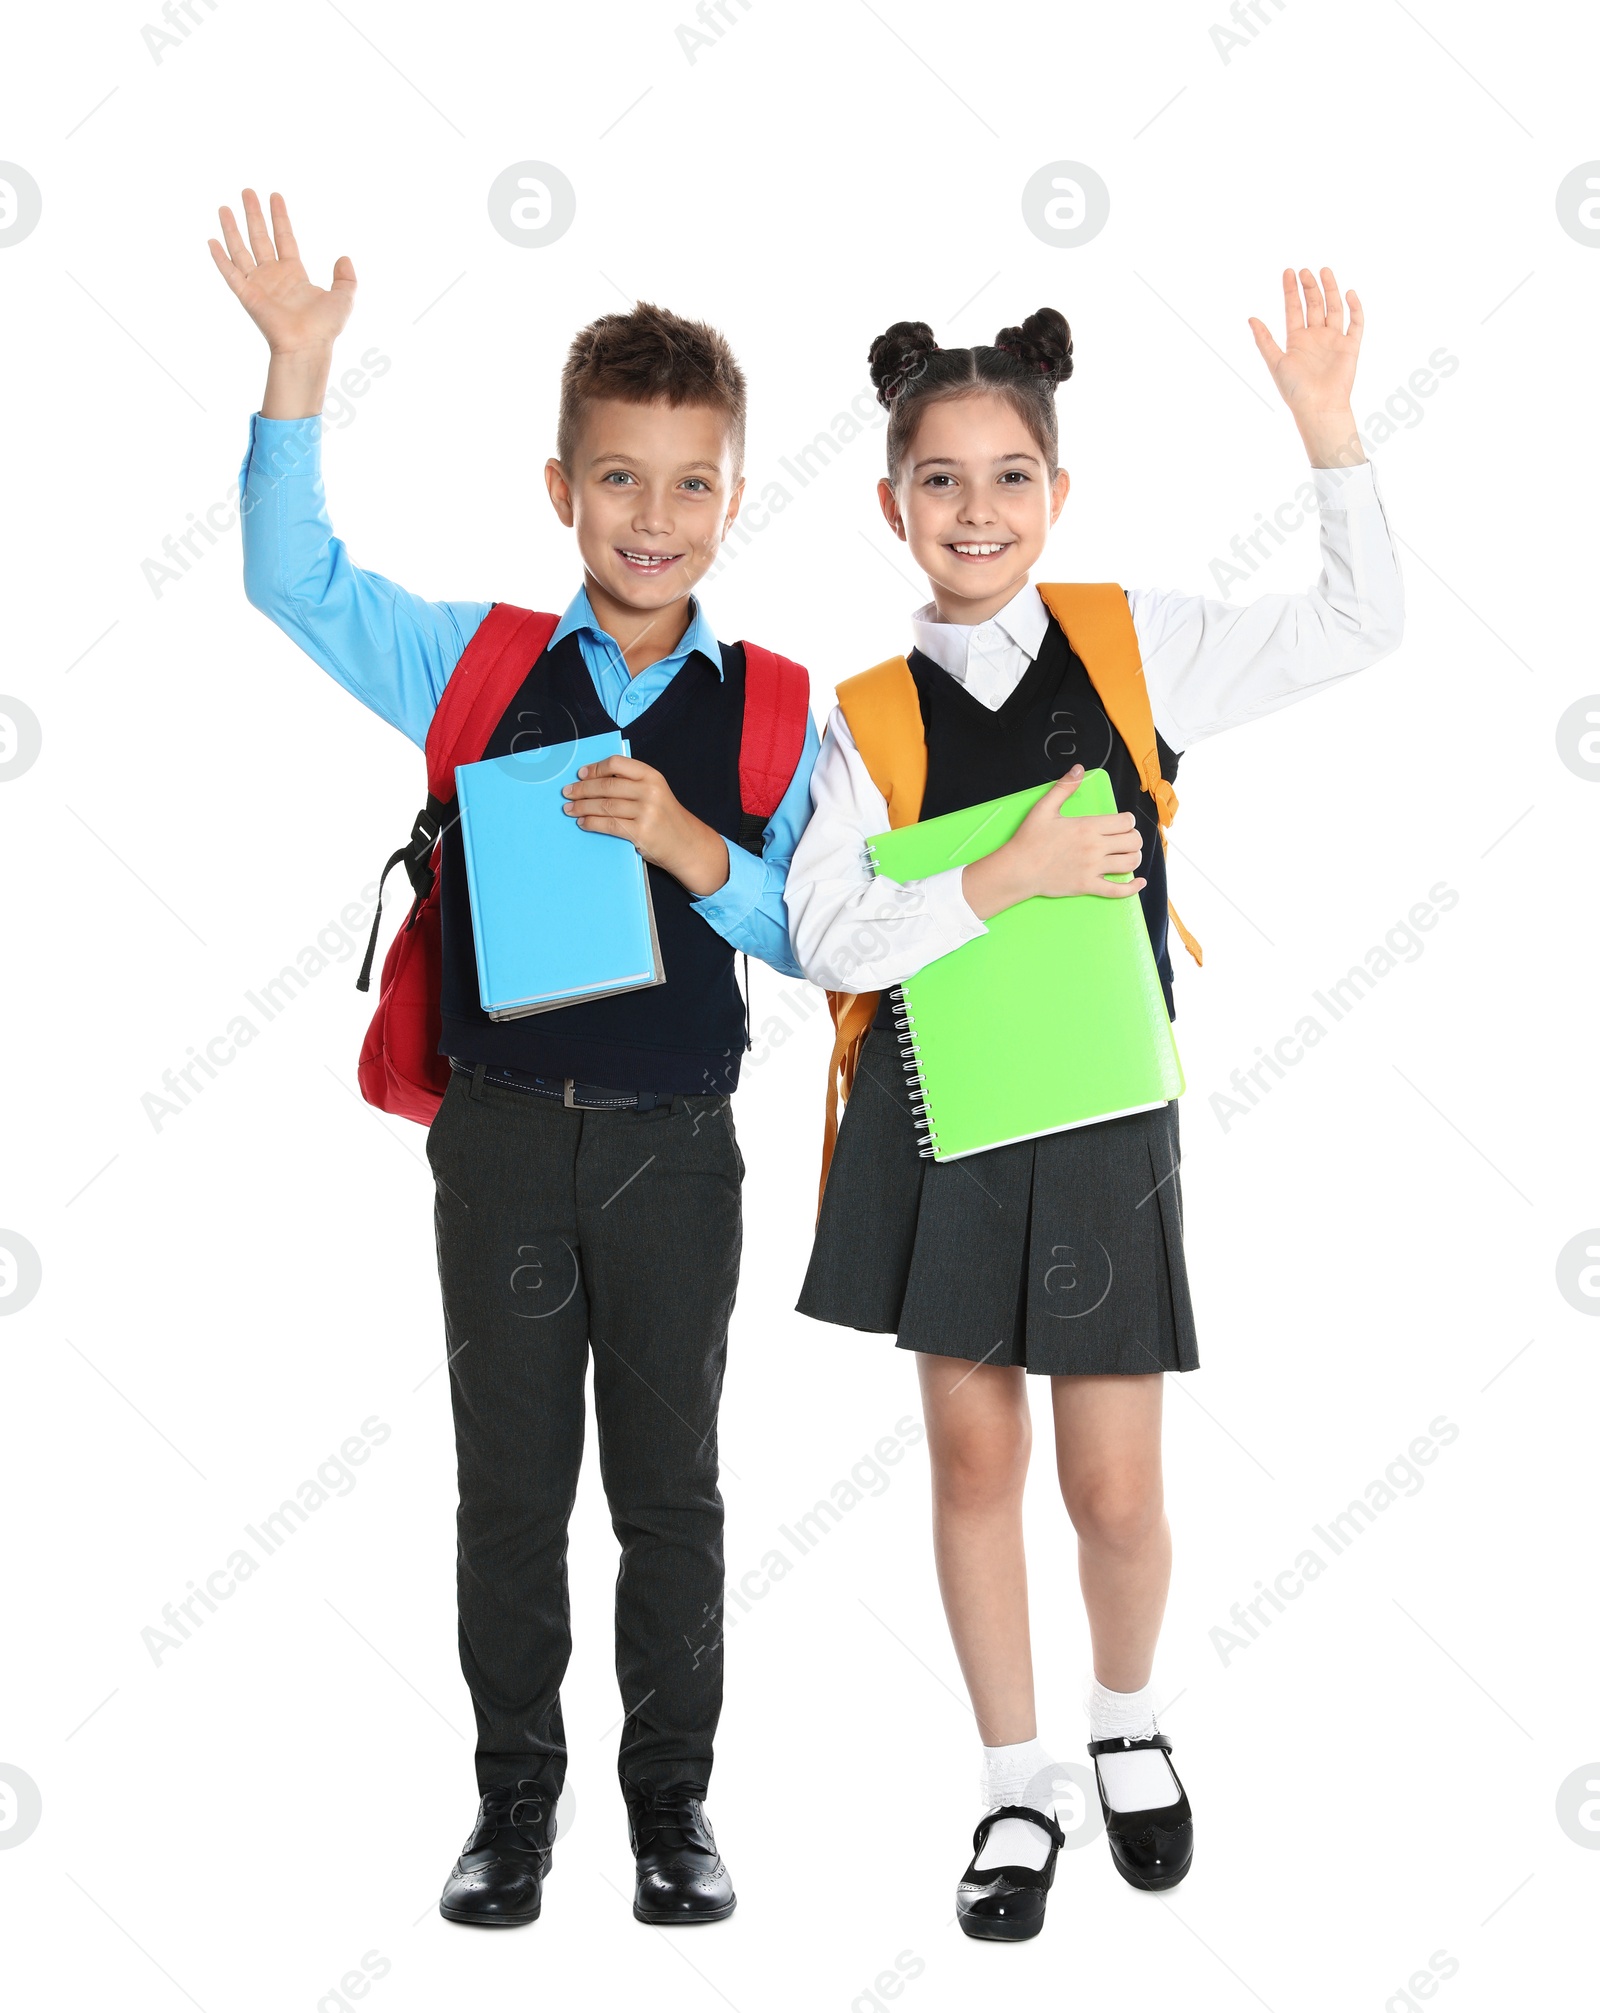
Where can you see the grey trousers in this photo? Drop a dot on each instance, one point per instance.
(564, 1235)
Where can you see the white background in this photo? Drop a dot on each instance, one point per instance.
(1373, 1247)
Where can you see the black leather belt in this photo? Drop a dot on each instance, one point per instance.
(562, 1089)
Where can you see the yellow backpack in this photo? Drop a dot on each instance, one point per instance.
(885, 718)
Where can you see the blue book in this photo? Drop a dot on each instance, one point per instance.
(558, 914)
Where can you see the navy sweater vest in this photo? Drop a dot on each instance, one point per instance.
(688, 1034)
(1052, 720)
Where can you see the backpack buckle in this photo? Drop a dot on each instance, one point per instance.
(417, 856)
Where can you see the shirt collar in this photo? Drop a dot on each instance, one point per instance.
(1022, 621)
(699, 635)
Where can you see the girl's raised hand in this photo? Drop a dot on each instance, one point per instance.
(1317, 369)
(290, 309)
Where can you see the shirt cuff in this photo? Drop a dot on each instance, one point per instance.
(1345, 488)
(944, 899)
(727, 907)
(279, 447)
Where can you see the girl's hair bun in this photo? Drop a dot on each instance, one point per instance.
(899, 356)
(1043, 343)
(1023, 365)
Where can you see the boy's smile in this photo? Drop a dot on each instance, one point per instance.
(648, 564)
(650, 496)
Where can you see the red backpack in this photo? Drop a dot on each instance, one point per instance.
(401, 1070)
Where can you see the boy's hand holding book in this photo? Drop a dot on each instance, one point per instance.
(634, 801)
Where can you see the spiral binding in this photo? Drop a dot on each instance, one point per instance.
(904, 1028)
(905, 1033)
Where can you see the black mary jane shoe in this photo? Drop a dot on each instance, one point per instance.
(679, 1874)
(1005, 1904)
(498, 1882)
(1151, 1849)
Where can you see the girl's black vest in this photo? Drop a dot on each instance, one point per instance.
(687, 1035)
(1052, 720)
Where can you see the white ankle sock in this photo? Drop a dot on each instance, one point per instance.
(1135, 1781)
(1006, 1776)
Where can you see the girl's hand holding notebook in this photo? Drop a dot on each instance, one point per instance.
(1053, 855)
(1054, 1017)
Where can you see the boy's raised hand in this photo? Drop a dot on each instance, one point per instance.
(1316, 370)
(1052, 855)
(294, 314)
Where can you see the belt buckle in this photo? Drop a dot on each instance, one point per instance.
(566, 1093)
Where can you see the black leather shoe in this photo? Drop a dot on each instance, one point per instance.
(1151, 1848)
(498, 1882)
(679, 1874)
(1005, 1904)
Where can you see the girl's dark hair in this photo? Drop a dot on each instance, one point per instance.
(910, 371)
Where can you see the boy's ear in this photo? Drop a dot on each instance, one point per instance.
(735, 498)
(889, 504)
(1058, 493)
(555, 480)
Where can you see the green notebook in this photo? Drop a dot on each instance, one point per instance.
(1053, 1018)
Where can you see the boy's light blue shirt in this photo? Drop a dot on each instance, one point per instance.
(394, 651)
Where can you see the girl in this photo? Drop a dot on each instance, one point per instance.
(1061, 1256)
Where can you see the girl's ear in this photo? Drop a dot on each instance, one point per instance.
(1058, 493)
(889, 504)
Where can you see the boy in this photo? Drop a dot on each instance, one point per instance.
(587, 1174)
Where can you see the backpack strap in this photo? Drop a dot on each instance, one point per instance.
(1095, 617)
(777, 705)
(499, 655)
(502, 651)
(884, 715)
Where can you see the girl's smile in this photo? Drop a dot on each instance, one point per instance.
(974, 500)
(977, 554)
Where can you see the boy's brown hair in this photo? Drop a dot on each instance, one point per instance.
(644, 356)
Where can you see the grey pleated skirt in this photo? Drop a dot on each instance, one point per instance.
(1062, 1255)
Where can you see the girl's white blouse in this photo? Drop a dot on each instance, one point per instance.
(1207, 665)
